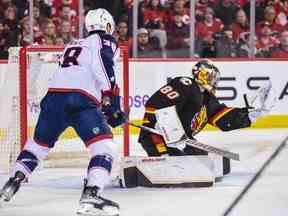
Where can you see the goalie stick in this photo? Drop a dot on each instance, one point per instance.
(195, 143)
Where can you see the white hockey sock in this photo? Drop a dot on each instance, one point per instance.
(98, 177)
(103, 154)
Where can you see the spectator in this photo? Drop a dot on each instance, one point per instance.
(178, 9)
(226, 11)
(3, 6)
(3, 40)
(57, 7)
(209, 26)
(205, 31)
(25, 37)
(66, 32)
(11, 24)
(284, 7)
(281, 22)
(201, 6)
(279, 6)
(240, 25)
(282, 50)
(66, 13)
(205, 48)
(38, 17)
(259, 10)
(22, 6)
(265, 42)
(122, 34)
(178, 35)
(36, 14)
(154, 15)
(49, 33)
(44, 8)
(11, 19)
(243, 49)
(225, 46)
(60, 41)
(269, 19)
(147, 47)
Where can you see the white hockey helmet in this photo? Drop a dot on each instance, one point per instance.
(98, 19)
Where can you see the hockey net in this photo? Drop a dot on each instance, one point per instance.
(24, 85)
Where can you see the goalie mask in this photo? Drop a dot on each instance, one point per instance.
(206, 74)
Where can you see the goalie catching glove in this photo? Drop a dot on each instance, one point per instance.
(111, 107)
(262, 102)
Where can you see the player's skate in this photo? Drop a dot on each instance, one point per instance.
(91, 204)
(11, 187)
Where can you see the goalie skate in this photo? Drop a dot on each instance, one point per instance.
(93, 205)
(11, 187)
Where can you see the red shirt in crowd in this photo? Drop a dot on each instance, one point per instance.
(203, 30)
(154, 14)
(281, 7)
(238, 29)
(56, 4)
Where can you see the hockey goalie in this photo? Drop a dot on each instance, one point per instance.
(182, 108)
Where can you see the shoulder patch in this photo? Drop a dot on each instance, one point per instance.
(186, 81)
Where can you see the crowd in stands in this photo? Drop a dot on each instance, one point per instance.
(221, 26)
(54, 23)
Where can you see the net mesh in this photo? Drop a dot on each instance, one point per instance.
(9, 113)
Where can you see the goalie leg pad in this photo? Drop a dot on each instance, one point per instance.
(190, 150)
(222, 163)
(185, 171)
(226, 166)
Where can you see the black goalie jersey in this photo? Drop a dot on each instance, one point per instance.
(195, 109)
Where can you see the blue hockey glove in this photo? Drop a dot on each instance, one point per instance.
(111, 107)
(111, 101)
(118, 118)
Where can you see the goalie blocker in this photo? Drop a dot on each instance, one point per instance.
(184, 171)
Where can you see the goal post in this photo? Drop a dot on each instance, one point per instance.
(25, 84)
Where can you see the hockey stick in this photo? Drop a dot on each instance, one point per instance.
(256, 177)
(212, 149)
(152, 130)
(195, 143)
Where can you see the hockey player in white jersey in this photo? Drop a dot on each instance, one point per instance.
(83, 94)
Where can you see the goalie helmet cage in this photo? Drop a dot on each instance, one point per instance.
(25, 84)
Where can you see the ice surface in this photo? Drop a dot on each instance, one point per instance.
(55, 192)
